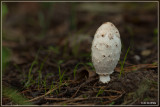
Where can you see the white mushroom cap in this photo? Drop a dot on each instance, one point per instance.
(106, 49)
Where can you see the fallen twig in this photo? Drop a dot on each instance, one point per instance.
(50, 91)
(137, 67)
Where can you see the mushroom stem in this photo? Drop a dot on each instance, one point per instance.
(104, 78)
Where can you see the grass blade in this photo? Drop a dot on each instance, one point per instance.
(122, 64)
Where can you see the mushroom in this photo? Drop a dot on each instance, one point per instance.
(106, 50)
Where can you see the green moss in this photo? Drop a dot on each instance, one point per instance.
(15, 96)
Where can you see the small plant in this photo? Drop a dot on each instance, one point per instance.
(40, 71)
(15, 96)
(54, 49)
(5, 51)
(44, 82)
(75, 69)
(44, 85)
(100, 92)
(73, 20)
(84, 64)
(30, 76)
(42, 23)
(75, 49)
(84, 96)
(134, 68)
(112, 103)
(90, 64)
(4, 10)
(146, 99)
(53, 86)
(155, 37)
(122, 64)
(154, 63)
(65, 50)
(60, 62)
(5, 57)
(64, 104)
(61, 77)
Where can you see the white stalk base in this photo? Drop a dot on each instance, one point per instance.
(104, 78)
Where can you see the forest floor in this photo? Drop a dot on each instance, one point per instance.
(48, 53)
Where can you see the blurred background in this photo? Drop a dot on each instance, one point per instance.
(74, 24)
(61, 33)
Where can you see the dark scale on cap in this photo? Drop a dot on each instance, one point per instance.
(118, 35)
(102, 35)
(101, 44)
(107, 46)
(104, 56)
(116, 45)
(110, 36)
